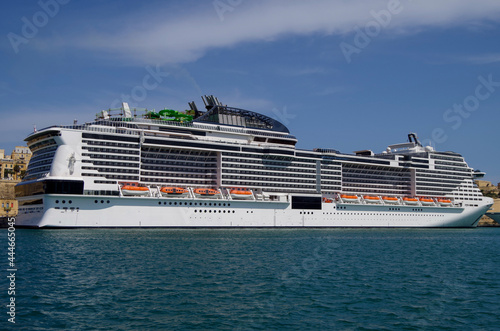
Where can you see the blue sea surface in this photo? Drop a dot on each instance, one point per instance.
(264, 279)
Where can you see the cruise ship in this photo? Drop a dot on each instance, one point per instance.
(229, 167)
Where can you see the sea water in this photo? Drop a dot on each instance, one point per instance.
(246, 279)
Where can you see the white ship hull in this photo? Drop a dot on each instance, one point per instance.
(101, 211)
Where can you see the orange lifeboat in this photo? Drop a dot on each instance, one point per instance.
(206, 192)
(327, 200)
(427, 201)
(371, 199)
(410, 201)
(444, 202)
(391, 200)
(240, 193)
(134, 189)
(173, 191)
(349, 198)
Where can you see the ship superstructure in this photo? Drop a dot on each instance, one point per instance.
(229, 167)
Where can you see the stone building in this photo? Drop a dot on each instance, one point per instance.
(488, 188)
(8, 202)
(14, 166)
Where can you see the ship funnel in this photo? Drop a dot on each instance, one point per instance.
(195, 112)
(210, 101)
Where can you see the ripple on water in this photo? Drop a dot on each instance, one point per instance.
(366, 279)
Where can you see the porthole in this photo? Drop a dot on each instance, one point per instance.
(57, 201)
(64, 201)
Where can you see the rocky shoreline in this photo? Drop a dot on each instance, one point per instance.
(487, 221)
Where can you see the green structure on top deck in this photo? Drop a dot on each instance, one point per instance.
(169, 115)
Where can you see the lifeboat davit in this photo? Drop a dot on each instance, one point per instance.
(427, 201)
(173, 191)
(410, 201)
(240, 193)
(444, 202)
(206, 192)
(349, 198)
(371, 199)
(134, 189)
(391, 200)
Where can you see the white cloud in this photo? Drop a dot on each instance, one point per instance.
(236, 98)
(5, 89)
(188, 37)
(15, 126)
(306, 71)
(329, 90)
(483, 59)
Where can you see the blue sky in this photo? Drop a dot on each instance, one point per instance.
(347, 75)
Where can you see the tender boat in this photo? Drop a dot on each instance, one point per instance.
(444, 202)
(134, 189)
(391, 200)
(349, 198)
(371, 199)
(241, 193)
(206, 193)
(410, 201)
(173, 191)
(427, 201)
